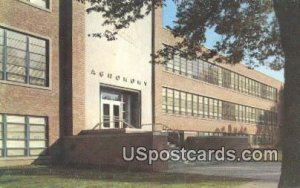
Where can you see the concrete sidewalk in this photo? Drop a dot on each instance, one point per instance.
(263, 174)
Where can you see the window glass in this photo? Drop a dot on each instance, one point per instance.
(195, 105)
(26, 60)
(164, 99)
(205, 104)
(189, 104)
(22, 133)
(40, 3)
(195, 69)
(183, 103)
(176, 102)
(170, 100)
(200, 106)
(177, 63)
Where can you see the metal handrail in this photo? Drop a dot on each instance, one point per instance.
(122, 121)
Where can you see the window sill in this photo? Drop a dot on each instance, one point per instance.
(24, 85)
(24, 158)
(36, 6)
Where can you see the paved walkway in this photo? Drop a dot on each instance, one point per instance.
(264, 174)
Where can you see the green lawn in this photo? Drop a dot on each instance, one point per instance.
(42, 177)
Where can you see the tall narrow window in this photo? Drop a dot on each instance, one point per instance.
(16, 136)
(195, 105)
(38, 137)
(170, 101)
(1, 136)
(200, 106)
(1, 54)
(205, 104)
(189, 104)
(176, 102)
(183, 103)
(195, 69)
(164, 100)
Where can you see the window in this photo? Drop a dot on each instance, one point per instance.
(177, 63)
(189, 68)
(164, 100)
(189, 104)
(183, 103)
(216, 103)
(176, 102)
(205, 104)
(1, 136)
(170, 100)
(195, 69)
(40, 3)
(195, 105)
(226, 78)
(200, 106)
(24, 136)
(214, 74)
(23, 58)
(211, 108)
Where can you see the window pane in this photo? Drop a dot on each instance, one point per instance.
(37, 144)
(1, 144)
(16, 36)
(176, 102)
(176, 63)
(16, 135)
(38, 81)
(189, 68)
(37, 136)
(200, 105)
(195, 105)
(37, 73)
(183, 103)
(164, 99)
(35, 152)
(37, 128)
(37, 120)
(41, 3)
(15, 144)
(15, 152)
(170, 100)
(189, 104)
(15, 119)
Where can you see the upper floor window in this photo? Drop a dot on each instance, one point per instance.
(40, 3)
(211, 73)
(23, 58)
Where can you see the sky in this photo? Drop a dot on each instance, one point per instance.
(169, 15)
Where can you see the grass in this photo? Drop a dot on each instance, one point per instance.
(57, 177)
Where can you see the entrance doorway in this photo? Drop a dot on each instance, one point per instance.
(119, 108)
(112, 114)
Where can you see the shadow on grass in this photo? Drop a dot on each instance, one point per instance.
(109, 175)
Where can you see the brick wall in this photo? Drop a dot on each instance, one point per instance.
(228, 142)
(22, 99)
(105, 150)
(72, 35)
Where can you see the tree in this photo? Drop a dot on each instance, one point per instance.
(261, 32)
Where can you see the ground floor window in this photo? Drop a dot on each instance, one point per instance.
(22, 135)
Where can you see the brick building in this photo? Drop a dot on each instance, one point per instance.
(57, 80)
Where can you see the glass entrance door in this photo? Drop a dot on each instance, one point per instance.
(111, 114)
